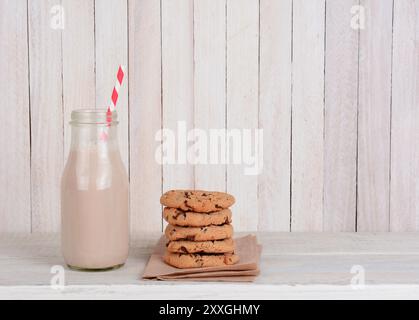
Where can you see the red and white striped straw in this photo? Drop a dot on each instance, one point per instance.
(115, 92)
(114, 98)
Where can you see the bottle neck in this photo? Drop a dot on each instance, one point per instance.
(94, 129)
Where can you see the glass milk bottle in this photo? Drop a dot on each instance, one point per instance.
(94, 195)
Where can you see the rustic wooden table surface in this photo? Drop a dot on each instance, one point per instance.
(293, 265)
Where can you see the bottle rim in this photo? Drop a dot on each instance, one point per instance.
(98, 116)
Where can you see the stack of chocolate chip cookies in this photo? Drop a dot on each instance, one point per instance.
(199, 232)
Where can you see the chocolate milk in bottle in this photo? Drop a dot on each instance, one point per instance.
(94, 195)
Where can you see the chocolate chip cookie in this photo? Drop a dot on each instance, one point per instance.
(196, 219)
(197, 200)
(199, 233)
(215, 246)
(185, 260)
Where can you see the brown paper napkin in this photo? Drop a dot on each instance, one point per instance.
(245, 270)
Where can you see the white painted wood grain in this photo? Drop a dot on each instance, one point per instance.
(210, 78)
(404, 188)
(374, 117)
(111, 47)
(178, 84)
(274, 243)
(275, 270)
(211, 291)
(46, 116)
(242, 102)
(145, 114)
(338, 243)
(210, 82)
(341, 108)
(275, 114)
(15, 195)
(78, 51)
(307, 115)
(318, 262)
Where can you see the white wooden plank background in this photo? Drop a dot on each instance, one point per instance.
(177, 85)
(47, 152)
(79, 80)
(404, 188)
(275, 113)
(337, 105)
(210, 82)
(318, 265)
(242, 101)
(374, 117)
(307, 115)
(15, 195)
(145, 113)
(340, 126)
(111, 50)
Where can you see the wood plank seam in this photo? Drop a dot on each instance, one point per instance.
(292, 111)
(29, 117)
(225, 87)
(128, 100)
(391, 115)
(161, 107)
(62, 94)
(94, 49)
(324, 101)
(258, 94)
(193, 84)
(357, 129)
